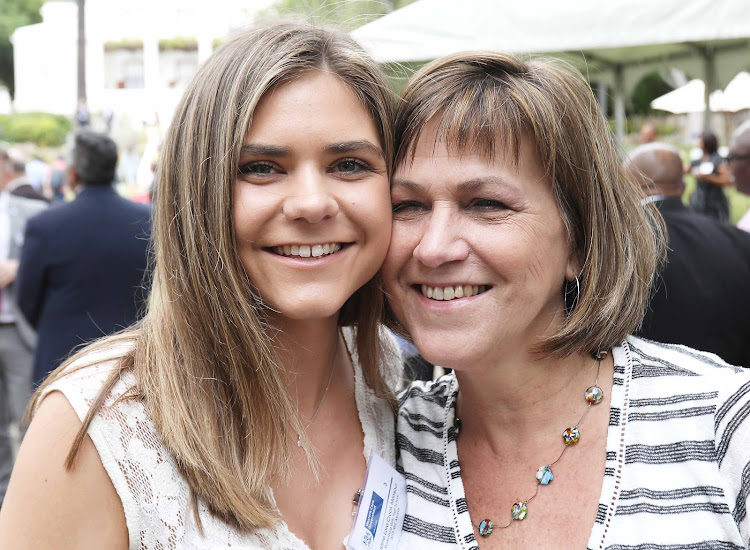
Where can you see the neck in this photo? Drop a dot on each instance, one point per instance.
(307, 351)
(519, 396)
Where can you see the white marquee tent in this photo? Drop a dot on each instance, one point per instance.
(690, 98)
(615, 42)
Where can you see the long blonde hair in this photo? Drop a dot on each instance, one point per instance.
(203, 355)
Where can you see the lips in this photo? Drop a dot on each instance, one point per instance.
(454, 292)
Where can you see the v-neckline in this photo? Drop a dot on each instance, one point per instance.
(610, 491)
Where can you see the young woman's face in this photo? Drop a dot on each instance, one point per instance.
(478, 254)
(312, 212)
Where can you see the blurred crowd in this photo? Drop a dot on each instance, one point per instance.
(73, 259)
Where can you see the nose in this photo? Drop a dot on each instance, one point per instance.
(442, 241)
(309, 198)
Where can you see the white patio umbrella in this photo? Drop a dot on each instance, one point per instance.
(737, 93)
(690, 97)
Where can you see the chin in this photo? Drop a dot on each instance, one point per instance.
(448, 352)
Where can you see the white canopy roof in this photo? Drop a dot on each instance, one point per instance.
(615, 42)
(626, 32)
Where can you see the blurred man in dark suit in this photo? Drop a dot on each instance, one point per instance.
(83, 262)
(702, 297)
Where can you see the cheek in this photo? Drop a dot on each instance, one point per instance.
(402, 243)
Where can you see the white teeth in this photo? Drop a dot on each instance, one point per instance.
(307, 250)
(447, 293)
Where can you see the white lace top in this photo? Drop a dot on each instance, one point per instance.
(154, 495)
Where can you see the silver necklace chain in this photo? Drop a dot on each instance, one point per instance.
(325, 393)
(520, 508)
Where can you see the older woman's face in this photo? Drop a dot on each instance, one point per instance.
(478, 253)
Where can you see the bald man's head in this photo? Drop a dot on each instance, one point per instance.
(739, 158)
(658, 168)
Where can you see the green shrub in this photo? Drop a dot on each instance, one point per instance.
(184, 43)
(44, 129)
(129, 44)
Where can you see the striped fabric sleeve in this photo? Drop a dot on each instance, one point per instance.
(732, 429)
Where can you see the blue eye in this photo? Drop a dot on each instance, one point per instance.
(352, 166)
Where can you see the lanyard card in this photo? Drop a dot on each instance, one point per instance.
(380, 514)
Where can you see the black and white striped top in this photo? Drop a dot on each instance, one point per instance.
(678, 456)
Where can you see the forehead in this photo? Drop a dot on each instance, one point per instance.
(311, 96)
(437, 167)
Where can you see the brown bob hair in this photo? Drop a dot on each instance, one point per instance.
(488, 101)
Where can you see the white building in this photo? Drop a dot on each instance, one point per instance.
(131, 64)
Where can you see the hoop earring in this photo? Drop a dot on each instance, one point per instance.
(570, 296)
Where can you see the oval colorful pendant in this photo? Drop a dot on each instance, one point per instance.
(519, 510)
(544, 475)
(594, 395)
(571, 436)
(486, 527)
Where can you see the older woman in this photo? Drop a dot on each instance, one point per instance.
(521, 258)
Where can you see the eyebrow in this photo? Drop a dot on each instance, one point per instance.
(351, 146)
(335, 148)
(264, 150)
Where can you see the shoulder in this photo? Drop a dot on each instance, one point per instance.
(429, 396)
(696, 382)
(676, 359)
(82, 379)
(32, 515)
(422, 413)
(51, 216)
(26, 206)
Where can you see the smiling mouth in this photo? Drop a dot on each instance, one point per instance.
(448, 293)
(307, 250)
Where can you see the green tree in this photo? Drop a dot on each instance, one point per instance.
(14, 14)
(345, 14)
(649, 88)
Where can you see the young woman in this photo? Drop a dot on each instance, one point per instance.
(521, 257)
(240, 411)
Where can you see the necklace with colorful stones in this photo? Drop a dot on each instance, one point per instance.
(544, 476)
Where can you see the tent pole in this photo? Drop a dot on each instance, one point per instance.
(619, 103)
(601, 93)
(710, 80)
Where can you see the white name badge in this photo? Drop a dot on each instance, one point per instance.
(381, 510)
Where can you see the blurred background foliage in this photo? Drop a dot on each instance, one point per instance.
(43, 129)
(14, 14)
(344, 14)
